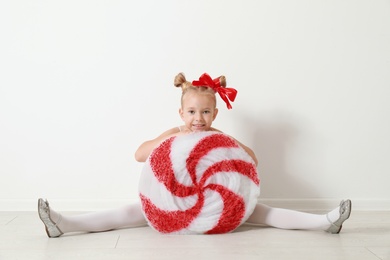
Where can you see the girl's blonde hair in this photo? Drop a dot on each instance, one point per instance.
(186, 86)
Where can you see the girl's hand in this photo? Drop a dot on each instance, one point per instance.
(184, 131)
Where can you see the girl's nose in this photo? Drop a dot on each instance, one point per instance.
(198, 116)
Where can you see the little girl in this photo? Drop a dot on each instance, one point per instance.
(198, 111)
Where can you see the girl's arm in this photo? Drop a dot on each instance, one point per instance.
(249, 151)
(147, 147)
(246, 148)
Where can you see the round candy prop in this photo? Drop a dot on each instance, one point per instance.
(200, 183)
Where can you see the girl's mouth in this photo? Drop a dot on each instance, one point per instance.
(198, 126)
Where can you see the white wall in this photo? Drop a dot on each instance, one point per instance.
(83, 83)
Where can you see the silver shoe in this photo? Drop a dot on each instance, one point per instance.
(345, 212)
(51, 227)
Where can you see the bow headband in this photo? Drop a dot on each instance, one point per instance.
(226, 93)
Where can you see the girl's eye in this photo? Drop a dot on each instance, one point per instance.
(206, 112)
(191, 112)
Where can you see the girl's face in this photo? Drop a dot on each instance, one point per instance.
(198, 111)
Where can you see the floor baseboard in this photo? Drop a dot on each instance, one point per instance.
(294, 204)
(327, 204)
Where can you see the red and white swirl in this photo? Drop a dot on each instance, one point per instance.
(201, 183)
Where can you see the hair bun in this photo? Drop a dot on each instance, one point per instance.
(179, 79)
(181, 82)
(222, 81)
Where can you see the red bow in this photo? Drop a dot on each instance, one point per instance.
(225, 93)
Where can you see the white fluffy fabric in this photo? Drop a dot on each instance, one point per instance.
(200, 183)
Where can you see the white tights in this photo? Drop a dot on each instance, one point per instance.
(291, 219)
(127, 216)
(132, 216)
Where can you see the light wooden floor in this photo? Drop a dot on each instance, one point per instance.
(366, 235)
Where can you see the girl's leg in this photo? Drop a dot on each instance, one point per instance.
(290, 219)
(127, 216)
